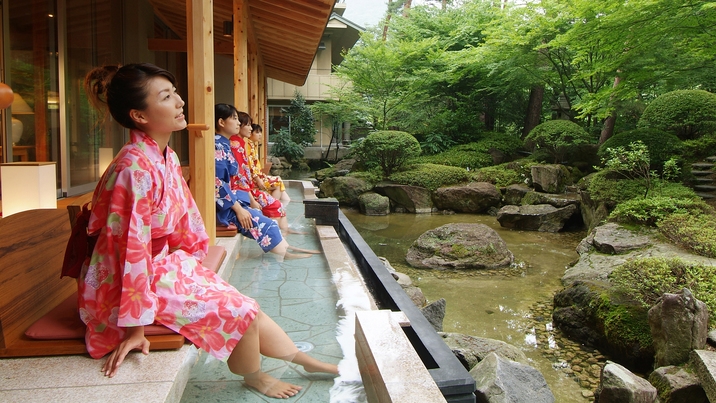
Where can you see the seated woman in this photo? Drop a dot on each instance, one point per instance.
(233, 205)
(272, 184)
(145, 266)
(227, 124)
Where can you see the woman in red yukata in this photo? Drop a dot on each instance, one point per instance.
(146, 264)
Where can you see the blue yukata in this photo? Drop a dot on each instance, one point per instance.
(226, 192)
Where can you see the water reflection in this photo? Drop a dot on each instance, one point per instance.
(497, 304)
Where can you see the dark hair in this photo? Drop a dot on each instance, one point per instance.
(223, 111)
(244, 118)
(255, 127)
(122, 88)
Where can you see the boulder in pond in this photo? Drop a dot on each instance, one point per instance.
(371, 203)
(679, 324)
(475, 197)
(499, 380)
(550, 178)
(460, 246)
(414, 199)
(538, 217)
(470, 350)
(619, 385)
(345, 189)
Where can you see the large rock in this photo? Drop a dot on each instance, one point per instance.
(371, 203)
(540, 217)
(434, 312)
(499, 380)
(345, 189)
(514, 193)
(414, 199)
(550, 178)
(459, 246)
(470, 350)
(679, 324)
(618, 385)
(704, 364)
(675, 385)
(475, 197)
(556, 200)
(612, 238)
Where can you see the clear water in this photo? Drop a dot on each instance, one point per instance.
(497, 306)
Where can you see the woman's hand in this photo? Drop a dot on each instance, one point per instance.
(243, 216)
(133, 339)
(254, 203)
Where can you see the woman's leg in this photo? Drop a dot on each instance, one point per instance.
(282, 251)
(265, 337)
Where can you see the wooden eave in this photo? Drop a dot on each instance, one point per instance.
(286, 33)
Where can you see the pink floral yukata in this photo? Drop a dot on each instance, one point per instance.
(146, 265)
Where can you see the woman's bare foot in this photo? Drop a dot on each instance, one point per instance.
(290, 255)
(271, 386)
(320, 366)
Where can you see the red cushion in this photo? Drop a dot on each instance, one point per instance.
(63, 323)
(214, 257)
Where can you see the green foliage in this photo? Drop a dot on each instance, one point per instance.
(632, 162)
(693, 150)
(303, 130)
(477, 154)
(387, 150)
(651, 210)
(557, 136)
(624, 324)
(696, 232)
(660, 144)
(603, 188)
(434, 143)
(430, 176)
(283, 146)
(499, 176)
(372, 176)
(689, 114)
(646, 280)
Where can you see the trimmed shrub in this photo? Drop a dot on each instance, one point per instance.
(646, 280)
(387, 150)
(661, 145)
(689, 114)
(694, 232)
(602, 187)
(477, 154)
(700, 148)
(498, 175)
(651, 210)
(556, 137)
(431, 176)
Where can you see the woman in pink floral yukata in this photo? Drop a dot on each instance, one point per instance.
(146, 264)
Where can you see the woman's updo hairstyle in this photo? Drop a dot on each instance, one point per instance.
(223, 111)
(122, 88)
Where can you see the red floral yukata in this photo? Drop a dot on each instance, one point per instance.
(146, 265)
(269, 206)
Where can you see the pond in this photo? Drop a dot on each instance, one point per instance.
(512, 305)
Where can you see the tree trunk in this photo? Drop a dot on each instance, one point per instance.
(489, 112)
(387, 20)
(534, 109)
(608, 129)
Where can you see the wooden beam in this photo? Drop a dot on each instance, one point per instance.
(263, 101)
(200, 64)
(241, 53)
(254, 86)
(180, 45)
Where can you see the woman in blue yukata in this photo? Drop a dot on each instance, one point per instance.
(233, 205)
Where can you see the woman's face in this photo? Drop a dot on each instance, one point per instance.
(164, 113)
(231, 125)
(256, 136)
(245, 130)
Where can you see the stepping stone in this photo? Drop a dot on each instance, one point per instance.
(705, 188)
(702, 173)
(706, 195)
(706, 165)
(711, 159)
(704, 180)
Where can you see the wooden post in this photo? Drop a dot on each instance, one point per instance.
(263, 107)
(254, 85)
(241, 53)
(200, 66)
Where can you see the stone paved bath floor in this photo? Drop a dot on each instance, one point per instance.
(300, 296)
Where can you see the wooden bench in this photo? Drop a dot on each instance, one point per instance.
(30, 285)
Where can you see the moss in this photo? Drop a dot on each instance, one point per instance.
(625, 324)
(430, 176)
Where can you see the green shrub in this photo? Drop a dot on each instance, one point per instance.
(556, 137)
(283, 146)
(689, 114)
(477, 154)
(651, 210)
(387, 150)
(696, 232)
(498, 175)
(646, 280)
(693, 150)
(372, 176)
(430, 176)
(661, 145)
(603, 187)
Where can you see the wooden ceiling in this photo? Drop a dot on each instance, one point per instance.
(286, 33)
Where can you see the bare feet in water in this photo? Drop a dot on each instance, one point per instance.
(271, 386)
(297, 249)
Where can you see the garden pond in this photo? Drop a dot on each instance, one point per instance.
(513, 304)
